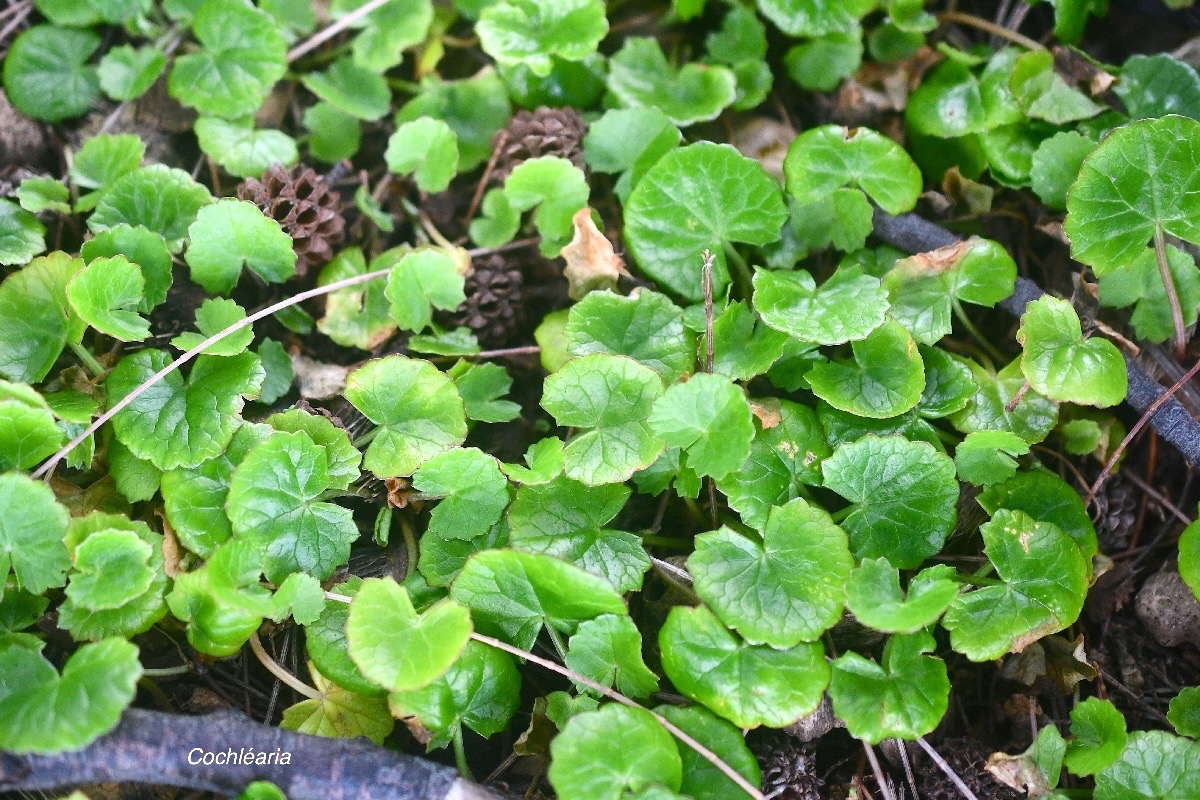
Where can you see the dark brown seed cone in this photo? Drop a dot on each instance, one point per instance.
(305, 206)
(544, 132)
(967, 758)
(494, 309)
(788, 769)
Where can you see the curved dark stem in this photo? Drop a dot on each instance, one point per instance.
(156, 748)
(1171, 420)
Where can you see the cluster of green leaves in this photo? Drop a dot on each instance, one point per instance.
(838, 430)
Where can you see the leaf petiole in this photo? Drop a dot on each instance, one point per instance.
(89, 361)
(1164, 272)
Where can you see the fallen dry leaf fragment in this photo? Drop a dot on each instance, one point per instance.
(591, 261)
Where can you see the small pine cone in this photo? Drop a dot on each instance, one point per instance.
(788, 769)
(305, 206)
(544, 132)
(494, 308)
(967, 757)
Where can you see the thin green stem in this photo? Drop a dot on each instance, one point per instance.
(410, 547)
(1164, 271)
(992, 28)
(460, 755)
(364, 440)
(559, 645)
(166, 672)
(970, 328)
(89, 360)
(279, 672)
(739, 270)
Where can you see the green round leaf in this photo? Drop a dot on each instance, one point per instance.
(388, 30)
(472, 489)
(1154, 766)
(104, 158)
(564, 518)
(1045, 496)
(782, 459)
(709, 419)
(242, 149)
(1129, 187)
(230, 234)
(647, 327)
(749, 685)
(160, 198)
(274, 501)
(886, 379)
(46, 74)
(353, 90)
(181, 422)
(111, 568)
(820, 64)
(1098, 731)
(126, 73)
(21, 235)
(482, 691)
(426, 146)
(845, 308)
(1184, 712)
(702, 780)
(32, 526)
(333, 134)
(44, 712)
(1044, 581)
(106, 294)
(786, 590)
(703, 196)
(904, 697)
(558, 188)
(986, 457)
(743, 346)
(338, 713)
(119, 584)
(194, 498)
(144, 248)
(588, 760)
(417, 408)
(831, 157)
(475, 109)
(421, 281)
(1141, 283)
(1157, 85)
(639, 76)
(398, 648)
(214, 316)
(905, 495)
(1056, 165)
(814, 17)
(242, 55)
(1032, 418)
(531, 32)
(873, 595)
(1044, 94)
(612, 397)
(28, 430)
(325, 640)
(358, 315)
(608, 650)
(1061, 365)
(512, 595)
(36, 321)
(1189, 557)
